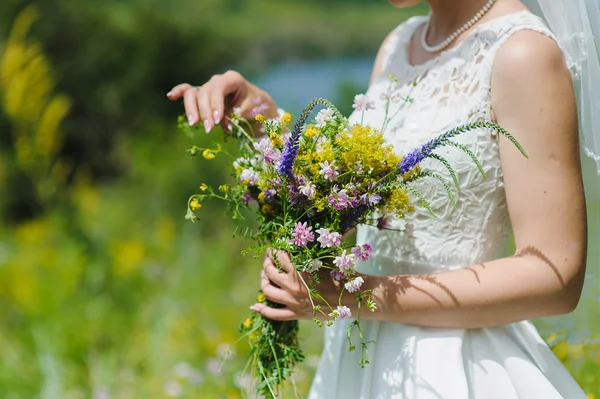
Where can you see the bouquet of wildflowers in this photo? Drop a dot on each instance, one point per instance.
(308, 187)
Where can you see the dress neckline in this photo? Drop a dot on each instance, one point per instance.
(421, 20)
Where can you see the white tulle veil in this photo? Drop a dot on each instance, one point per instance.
(576, 25)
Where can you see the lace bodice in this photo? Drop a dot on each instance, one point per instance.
(451, 89)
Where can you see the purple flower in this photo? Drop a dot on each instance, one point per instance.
(390, 94)
(328, 239)
(383, 222)
(344, 261)
(370, 199)
(260, 107)
(302, 234)
(409, 229)
(362, 103)
(270, 193)
(337, 275)
(363, 251)
(246, 198)
(329, 170)
(341, 313)
(340, 200)
(354, 285)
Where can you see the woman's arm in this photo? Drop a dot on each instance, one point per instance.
(532, 98)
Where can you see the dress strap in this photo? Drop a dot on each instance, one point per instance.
(398, 41)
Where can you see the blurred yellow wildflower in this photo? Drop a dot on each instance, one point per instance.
(311, 132)
(287, 117)
(33, 110)
(261, 298)
(208, 154)
(239, 169)
(261, 196)
(195, 205)
(224, 188)
(248, 323)
(267, 209)
(260, 118)
(276, 141)
(127, 257)
(203, 187)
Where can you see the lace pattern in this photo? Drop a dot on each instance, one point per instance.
(451, 89)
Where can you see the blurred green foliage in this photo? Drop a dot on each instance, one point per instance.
(105, 290)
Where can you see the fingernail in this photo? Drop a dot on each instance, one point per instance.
(169, 94)
(207, 126)
(229, 126)
(217, 119)
(253, 308)
(191, 120)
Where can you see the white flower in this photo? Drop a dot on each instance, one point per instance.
(362, 103)
(358, 168)
(328, 239)
(325, 115)
(344, 261)
(249, 176)
(241, 161)
(173, 389)
(341, 313)
(308, 190)
(182, 370)
(329, 170)
(319, 143)
(354, 285)
(313, 266)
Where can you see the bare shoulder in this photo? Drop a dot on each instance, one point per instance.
(526, 54)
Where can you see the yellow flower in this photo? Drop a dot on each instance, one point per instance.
(208, 154)
(248, 323)
(224, 188)
(260, 118)
(275, 140)
(203, 187)
(261, 196)
(591, 396)
(195, 205)
(287, 117)
(261, 298)
(254, 334)
(219, 148)
(311, 132)
(267, 209)
(239, 169)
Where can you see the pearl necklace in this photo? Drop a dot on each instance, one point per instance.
(457, 33)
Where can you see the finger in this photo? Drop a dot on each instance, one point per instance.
(217, 99)
(178, 91)
(205, 107)
(275, 276)
(268, 312)
(191, 106)
(276, 295)
(282, 259)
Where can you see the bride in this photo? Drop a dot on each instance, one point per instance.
(452, 310)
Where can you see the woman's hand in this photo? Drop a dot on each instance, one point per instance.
(216, 99)
(288, 289)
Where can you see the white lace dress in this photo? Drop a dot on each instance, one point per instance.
(410, 362)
